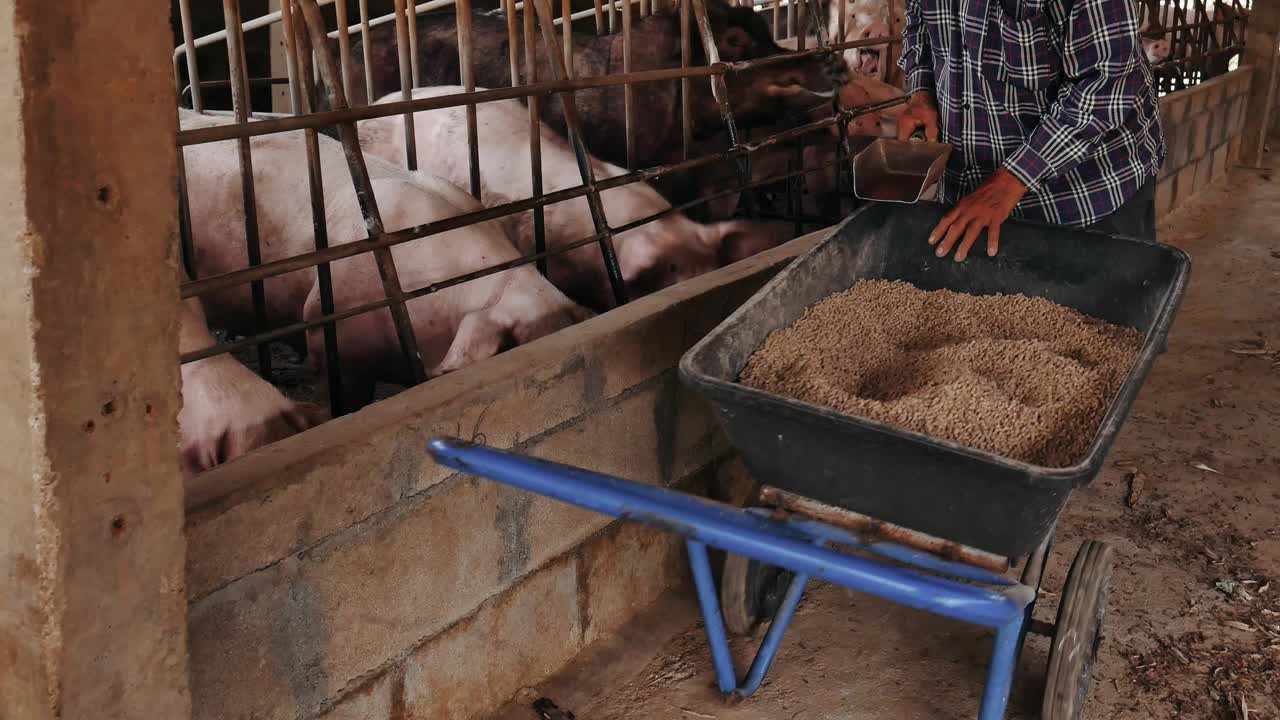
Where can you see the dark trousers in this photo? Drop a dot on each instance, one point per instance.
(1136, 218)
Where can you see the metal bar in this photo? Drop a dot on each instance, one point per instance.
(628, 92)
(841, 20)
(291, 57)
(240, 104)
(189, 47)
(364, 192)
(995, 695)
(513, 41)
(186, 243)
(466, 67)
(406, 84)
(721, 92)
(870, 529)
(777, 26)
(598, 10)
(686, 104)
(802, 7)
(598, 219)
(734, 530)
(298, 44)
(566, 14)
(1268, 107)
(712, 620)
(334, 117)
(539, 200)
(535, 139)
(644, 8)
(351, 312)
(415, 62)
(344, 45)
(613, 16)
(367, 49)
(773, 637)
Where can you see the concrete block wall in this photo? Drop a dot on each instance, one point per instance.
(341, 574)
(1202, 129)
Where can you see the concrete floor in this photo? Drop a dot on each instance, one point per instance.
(1181, 638)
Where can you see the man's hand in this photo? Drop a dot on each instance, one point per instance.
(921, 112)
(986, 208)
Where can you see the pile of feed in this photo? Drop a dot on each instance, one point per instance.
(1017, 376)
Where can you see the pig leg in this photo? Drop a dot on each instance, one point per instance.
(227, 410)
(361, 348)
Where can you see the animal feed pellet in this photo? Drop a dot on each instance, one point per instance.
(1013, 375)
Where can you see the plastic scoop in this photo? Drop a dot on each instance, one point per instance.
(898, 170)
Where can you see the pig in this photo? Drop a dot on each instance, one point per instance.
(227, 409)
(760, 95)
(454, 327)
(650, 257)
(865, 19)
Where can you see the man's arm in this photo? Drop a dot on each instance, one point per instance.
(1102, 80)
(917, 58)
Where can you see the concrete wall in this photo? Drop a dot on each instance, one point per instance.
(355, 579)
(1203, 128)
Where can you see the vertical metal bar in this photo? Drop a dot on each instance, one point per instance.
(644, 8)
(239, 104)
(686, 107)
(406, 84)
(628, 93)
(599, 16)
(369, 95)
(712, 621)
(844, 10)
(535, 139)
(995, 695)
(344, 47)
(773, 636)
(801, 18)
(777, 25)
(415, 62)
(513, 40)
(791, 18)
(364, 191)
(186, 243)
(558, 73)
(291, 57)
(613, 15)
(566, 27)
(718, 88)
(466, 66)
(189, 43)
(298, 44)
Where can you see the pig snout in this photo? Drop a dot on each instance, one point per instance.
(868, 58)
(1156, 50)
(227, 411)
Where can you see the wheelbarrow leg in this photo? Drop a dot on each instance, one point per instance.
(721, 658)
(995, 696)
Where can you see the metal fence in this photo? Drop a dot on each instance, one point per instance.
(316, 80)
(1190, 41)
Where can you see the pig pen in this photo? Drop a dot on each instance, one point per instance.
(336, 572)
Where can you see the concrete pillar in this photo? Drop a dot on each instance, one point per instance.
(93, 602)
(1260, 50)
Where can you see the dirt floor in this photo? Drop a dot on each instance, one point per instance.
(1190, 499)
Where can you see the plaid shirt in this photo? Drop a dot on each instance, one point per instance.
(1056, 91)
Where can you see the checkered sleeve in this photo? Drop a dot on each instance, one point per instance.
(1103, 80)
(917, 58)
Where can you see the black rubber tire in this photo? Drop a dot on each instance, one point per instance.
(750, 592)
(1078, 632)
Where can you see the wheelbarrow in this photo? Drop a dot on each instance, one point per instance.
(925, 522)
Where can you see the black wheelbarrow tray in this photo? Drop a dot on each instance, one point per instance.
(933, 486)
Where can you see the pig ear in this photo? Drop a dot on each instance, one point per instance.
(739, 239)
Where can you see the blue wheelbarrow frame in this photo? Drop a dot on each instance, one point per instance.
(896, 573)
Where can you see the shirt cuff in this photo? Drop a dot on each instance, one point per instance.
(1027, 165)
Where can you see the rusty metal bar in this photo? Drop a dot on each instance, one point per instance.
(870, 529)
(513, 41)
(777, 25)
(344, 45)
(415, 62)
(367, 49)
(406, 84)
(791, 18)
(364, 192)
(613, 16)
(566, 27)
(558, 72)
(840, 21)
(298, 45)
(644, 8)
(339, 252)
(197, 136)
(599, 13)
(186, 243)
(801, 22)
(466, 68)
(686, 106)
(189, 47)
(719, 90)
(240, 104)
(291, 57)
(628, 92)
(535, 138)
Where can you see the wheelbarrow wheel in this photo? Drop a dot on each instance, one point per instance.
(750, 592)
(1078, 632)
